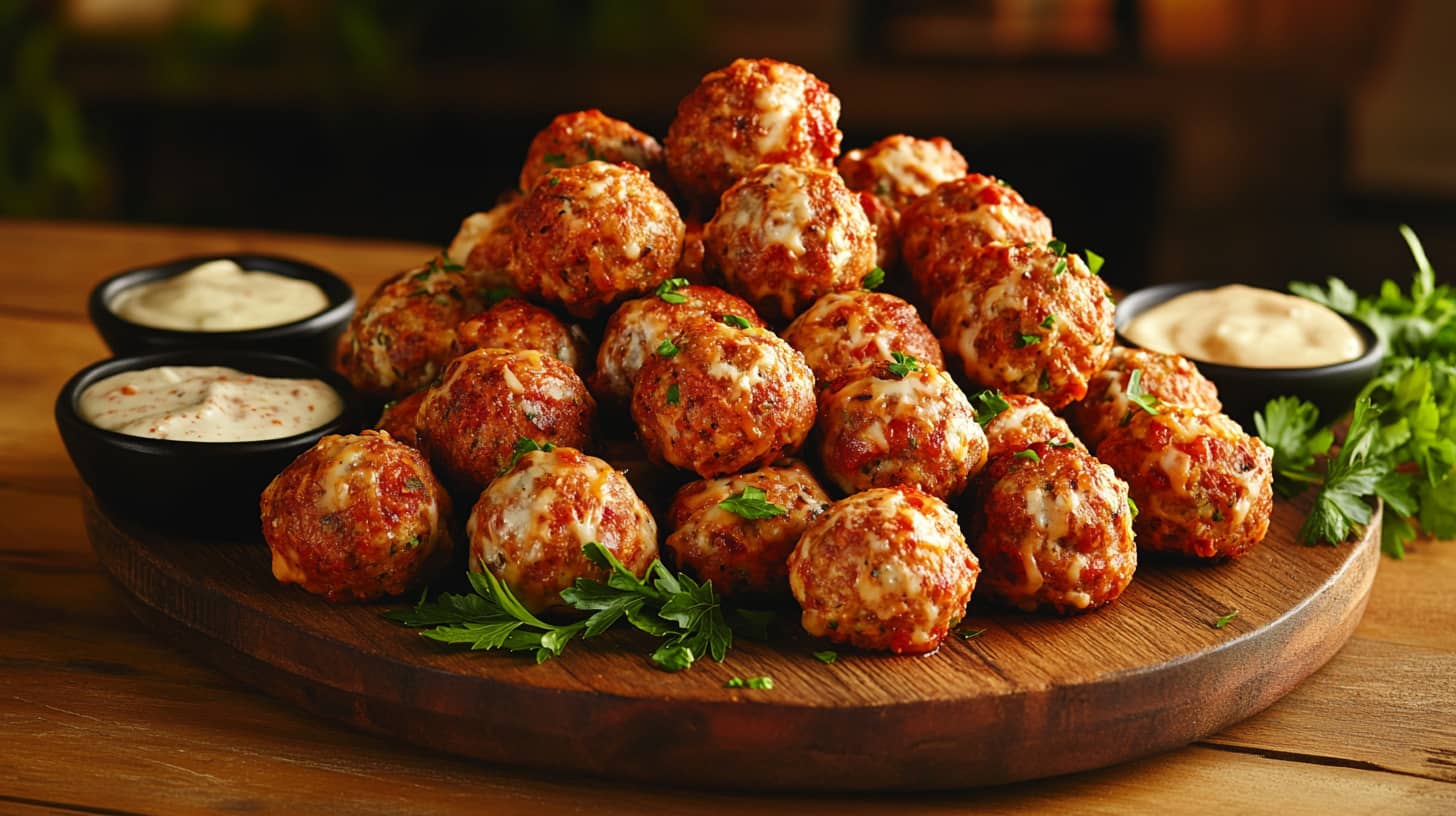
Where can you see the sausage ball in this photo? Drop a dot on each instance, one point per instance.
(589, 235)
(738, 531)
(1171, 379)
(845, 330)
(483, 245)
(583, 136)
(886, 222)
(690, 266)
(488, 400)
(400, 418)
(784, 236)
(1053, 529)
(946, 226)
(638, 327)
(515, 324)
(1202, 486)
(720, 400)
(1037, 323)
(356, 518)
(752, 112)
(528, 527)
(886, 424)
(899, 169)
(402, 336)
(884, 569)
(1023, 421)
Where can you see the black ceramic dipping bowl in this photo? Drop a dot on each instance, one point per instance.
(311, 338)
(210, 488)
(1332, 388)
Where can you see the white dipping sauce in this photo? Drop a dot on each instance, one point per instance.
(207, 404)
(1245, 326)
(219, 296)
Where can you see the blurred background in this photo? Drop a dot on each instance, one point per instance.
(1263, 141)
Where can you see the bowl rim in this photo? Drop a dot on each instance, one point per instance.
(67, 414)
(340, 294)
(1141, 300)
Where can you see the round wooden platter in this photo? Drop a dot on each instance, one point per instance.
(1032, 696)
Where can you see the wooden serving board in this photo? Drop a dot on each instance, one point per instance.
(1033, 696)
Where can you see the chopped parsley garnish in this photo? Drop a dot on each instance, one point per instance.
(1028, 454)
(667, 290)
(736, 322)
(1049, 321)
(1058, 248)
(553, 181)
(763, 682)
(1138, 396)
(667, 348)
(751, 503)
(903, 364)
(827, 657)
(1094, 261)
(496, 294)
(1044, 380)
(873, 280)
(1024, 340)
(1063, 445)
(1224, 620)
(1132, 508)
(1060, 269)
(555, 159)
(989, 404)
(673, 397)
(440, 264)
(525, 445)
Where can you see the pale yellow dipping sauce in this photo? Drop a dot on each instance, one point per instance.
(207, 404)
(1245, 326)
(220, 296)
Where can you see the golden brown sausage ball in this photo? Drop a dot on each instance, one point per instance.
(590, 135)
(1053, 530)
(743, 547)
(483, 245)
(1024, 421)
(1202, 486)
(1169, 378)
(528, 527)
(400, 418)
(749, 113)
(356, 518)
(785, 236)
(945, 227)
(884, 569)
(899, 169)
(886, 222)
(1037, 323)
(402, 336)
(720, 400)
(845, 330)
(639, 326)
(690, 266)
(515, 324)
(592, 234)
(884, 425)
(490, 399)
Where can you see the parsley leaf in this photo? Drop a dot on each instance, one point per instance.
(764, 682)
(673, 395)
(1224, 620)
(667, 290)
(1058, 248)
(904, 364)
(1094, 261)
(873, 280)
(827, 657)
(1049, 321)
(989, 404)
(1060, 269)
(525, 445)
(1024, 340)
(1287, 424)
(1028, 454)
(736, 322)
(555, 159)
(751, 503)
(1138, 396)
(667, 348)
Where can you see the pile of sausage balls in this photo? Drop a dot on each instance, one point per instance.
(715, 293)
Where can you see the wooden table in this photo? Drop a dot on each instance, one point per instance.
(99, 716)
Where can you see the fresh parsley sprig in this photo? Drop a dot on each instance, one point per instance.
(684, 613)
(903, 364)
(751, 503)
(988, 405)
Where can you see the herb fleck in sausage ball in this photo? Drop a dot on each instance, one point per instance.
(592, 234)
(402, 337)
(1037, 323)
(528, 527)
(749, 113)
(738, 531)
(784, 236)
(1053, 530)
(639, 326)
(1202, 486)
(884, 569)
(489, 399)
(1018, 422)
(845, 330)
(483, 245)
(720, 400)
(574, 138)
(946, 227)
(356, 518)
(1170, 379)
(899, 169)
(400, 418)
(898, 423)
(515, 324)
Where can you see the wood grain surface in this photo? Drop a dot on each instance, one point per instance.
(98, 715)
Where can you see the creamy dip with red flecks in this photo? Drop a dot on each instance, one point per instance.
(207, 404)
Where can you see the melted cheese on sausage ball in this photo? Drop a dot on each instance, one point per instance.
(1026, 420)
(884, 569)
(574, 138)
(1171, 378)
(899, 169)
(515, 324)
(483, 245)
(845, 330)
(529, 526)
